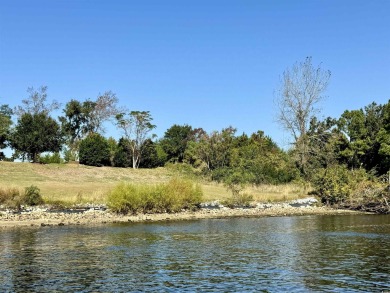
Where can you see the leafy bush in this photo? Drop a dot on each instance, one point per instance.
(94, 151)
(70, 155)
(337, 184)
(32, 196)
(13, 198)
(173, 196)
(54, 158)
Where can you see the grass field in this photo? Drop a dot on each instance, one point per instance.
(74, 183)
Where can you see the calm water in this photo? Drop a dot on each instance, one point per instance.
(287, 254)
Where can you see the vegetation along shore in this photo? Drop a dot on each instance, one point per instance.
(73, 194)
(343, 161)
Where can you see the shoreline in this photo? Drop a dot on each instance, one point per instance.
(93, 217)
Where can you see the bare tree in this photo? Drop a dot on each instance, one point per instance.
(36, 103)
(103, 109)
(301, 90)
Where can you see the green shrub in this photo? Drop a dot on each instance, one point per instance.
(239, 199)
(173, 196)
(70, 155)
(32, 196)
(337, 184)
(13, 198)
(54, 158)
(94, 151)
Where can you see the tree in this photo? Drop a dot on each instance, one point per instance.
(363, 129)
(103, 109)
(352, 124)
(325, 144)
(122, 157)
(75, 124)
(75, 120)
(211, 150)
(175, 141)
(95, 151)
(35, 134)
(136, 126)
(84, 118)
(300, 92)
(5, 124)
(36, 103)
(151, 157)
(383, 140)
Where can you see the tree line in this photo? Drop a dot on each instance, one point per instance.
(330, 153)
(79, 134)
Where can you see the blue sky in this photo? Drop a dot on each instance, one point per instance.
(208, 64)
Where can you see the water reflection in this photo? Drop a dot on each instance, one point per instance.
(311, 253)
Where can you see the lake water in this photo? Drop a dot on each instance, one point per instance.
(281, 254)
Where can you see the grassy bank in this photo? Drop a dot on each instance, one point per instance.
(73, 183)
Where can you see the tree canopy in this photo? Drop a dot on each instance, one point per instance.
(35, 134)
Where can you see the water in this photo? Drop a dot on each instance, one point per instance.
(286, 254)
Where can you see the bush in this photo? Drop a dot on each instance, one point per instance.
(238, 199)
(173, 196)
(10, 197)
(337, 184)
(32, 196)
(94, 151)
(70, 155)
(51, 159)
(13, 198)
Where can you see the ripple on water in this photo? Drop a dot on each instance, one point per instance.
(311, 253)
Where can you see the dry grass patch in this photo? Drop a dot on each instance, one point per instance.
(74, 183)
(277, 193)
(262, 193)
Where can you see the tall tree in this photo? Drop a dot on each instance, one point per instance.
(36, 103)
(5, 124)
(362, 130)
(383, 140)
(175, 140)
(103, 109)
(136, 127)
(302, 89)
(95, 151)
(84, 118)
(35, 134)
(212, 150)
(122, 157)
(75, 124)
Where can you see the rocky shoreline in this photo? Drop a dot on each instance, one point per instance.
(98, 215)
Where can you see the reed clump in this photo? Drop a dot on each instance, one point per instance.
(10, 197)
(173, 196)
(14, 198)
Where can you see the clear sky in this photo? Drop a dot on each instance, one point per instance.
(208, 64)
